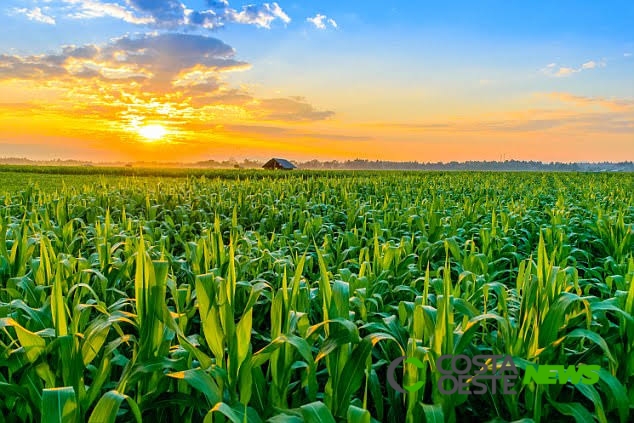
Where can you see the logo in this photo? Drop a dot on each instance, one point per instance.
(482, 374)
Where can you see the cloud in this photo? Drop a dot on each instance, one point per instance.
(36, 15)
(320, 21)
(153, 57)
(553, 70)
(619, 105)
(175, 14)
(294, 109)
(261, 16)
(220, 13)
(171, 49)
(134, 79)
(92, 9)
(580, 115)
(169, 12)
(566, 71)
(83, 52)
(627, 54)
(542, 123)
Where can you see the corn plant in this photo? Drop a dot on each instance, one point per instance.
(250, 296)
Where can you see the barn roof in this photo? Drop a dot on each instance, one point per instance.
(283, 163)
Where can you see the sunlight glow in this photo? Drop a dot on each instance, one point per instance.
(152, 132)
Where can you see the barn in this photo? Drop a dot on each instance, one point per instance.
(281, 164)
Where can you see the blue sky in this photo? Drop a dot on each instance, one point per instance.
(563, 70)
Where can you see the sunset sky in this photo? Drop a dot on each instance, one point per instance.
(187, 80)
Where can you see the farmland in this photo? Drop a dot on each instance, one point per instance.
(283, 297)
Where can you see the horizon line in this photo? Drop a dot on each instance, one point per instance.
(3, 161)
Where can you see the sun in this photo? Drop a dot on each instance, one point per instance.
(152, 132)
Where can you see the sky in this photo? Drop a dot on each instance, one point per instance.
(189, 80)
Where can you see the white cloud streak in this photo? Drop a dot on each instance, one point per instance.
(322, 21)
(36, 15)
(175, 14)
(554, 70)
(91, 9)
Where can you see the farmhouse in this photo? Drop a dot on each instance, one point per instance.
(279, 164)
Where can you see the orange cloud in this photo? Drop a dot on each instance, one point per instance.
(619, 105)
(175, 80)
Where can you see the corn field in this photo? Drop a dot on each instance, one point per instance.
(285, 298)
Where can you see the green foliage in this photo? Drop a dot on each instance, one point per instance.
(248, 297)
